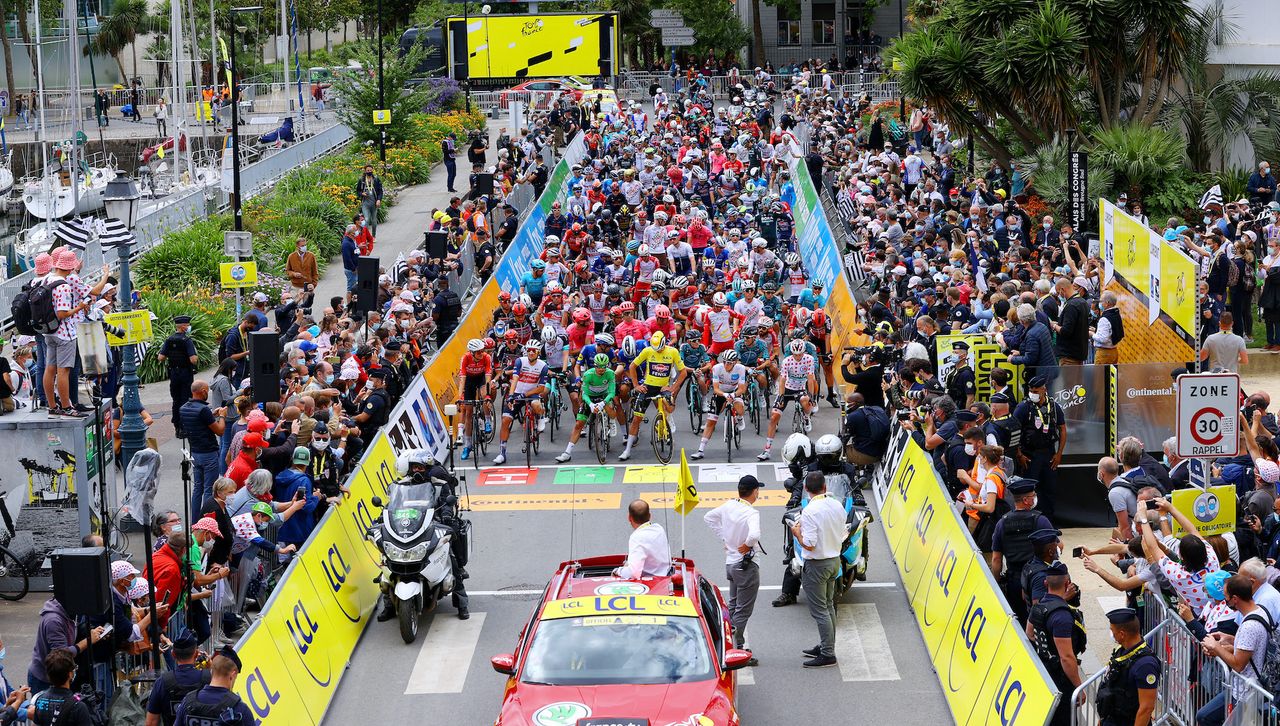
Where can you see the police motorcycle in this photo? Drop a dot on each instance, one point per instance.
(415, 534)
(826, 456)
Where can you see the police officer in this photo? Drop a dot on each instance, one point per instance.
(956, 454)
(1011, 546)
(375, 406)
(392, 353)
(1056, 631)
(209, 705)
(1046, 549)
(1043, 436)
(1127, 694)
(172, 687)
(961, 384)
(179, 351)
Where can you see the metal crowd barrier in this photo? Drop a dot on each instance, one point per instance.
(1255, 707)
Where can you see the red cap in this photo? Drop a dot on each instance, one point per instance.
(254, 440)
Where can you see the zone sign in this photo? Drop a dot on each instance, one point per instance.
(1208, 412)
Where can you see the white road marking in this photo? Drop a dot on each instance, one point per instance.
(723, 588)
(861, 644)
(1111, 602)
(445, 655)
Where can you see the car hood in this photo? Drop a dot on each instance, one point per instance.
(676, 704)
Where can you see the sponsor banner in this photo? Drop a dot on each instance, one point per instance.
(1130, 248)
(1213, 510)
(1081, 391)
(1145, 404)
(537, 46)
(442, 374)
(987, 668)
(984, 357)
(1178, 293)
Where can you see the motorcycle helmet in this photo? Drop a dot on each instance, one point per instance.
(798, 449)
(827, 449)
(415, 464)
(475, 345)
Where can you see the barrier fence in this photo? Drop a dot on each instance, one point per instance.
(723, 88)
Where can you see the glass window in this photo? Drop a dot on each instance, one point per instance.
(824, 24)
(788, 32)
(615, 649)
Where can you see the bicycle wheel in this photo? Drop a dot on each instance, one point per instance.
(14, 582)
(477, 437)
(553, 409)
(530, 433)
(757, 408)
(797, 419)
(661, 437)
(693, 395)
(729, 428)
(487, 413)
(596, 437)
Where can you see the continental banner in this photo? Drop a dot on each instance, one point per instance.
(817, 247)
(988, 670)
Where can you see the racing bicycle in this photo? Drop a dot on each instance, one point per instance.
(732, 436)
(660, 436)
(800, 420)
(14, 579)
(693, 396)
(555, 400)
(755, 401)
(598, 435)
(529, 422)
(481, 428)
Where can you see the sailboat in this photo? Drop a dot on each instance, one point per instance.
(54, 195)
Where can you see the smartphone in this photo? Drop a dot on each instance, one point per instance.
(1152, 504)
(1078, 553)
(107, 629)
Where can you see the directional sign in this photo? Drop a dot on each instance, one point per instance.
(1208, 408)
(660, 13)
(667, 23)
(677, 32)
(677, 39)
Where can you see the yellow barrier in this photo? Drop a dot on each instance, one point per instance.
(988, 670)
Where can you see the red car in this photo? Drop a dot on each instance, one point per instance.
(599, 649)
(538, 94)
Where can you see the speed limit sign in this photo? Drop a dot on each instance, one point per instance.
(1208, 411)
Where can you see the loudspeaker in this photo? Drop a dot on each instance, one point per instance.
(437, 244)
(264, 365)
(483, 186)
(82, 580)
(365, 296)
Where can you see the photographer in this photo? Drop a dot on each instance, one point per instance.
(866, 431)
(863, 368)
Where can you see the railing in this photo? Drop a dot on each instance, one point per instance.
(636, 83)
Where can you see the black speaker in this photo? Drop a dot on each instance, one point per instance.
(483, 186)
(365, 296)
(437, 244)
(82, 580)
(264, 365)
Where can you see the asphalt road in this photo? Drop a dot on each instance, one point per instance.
(528, 521)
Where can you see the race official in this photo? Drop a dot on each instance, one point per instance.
(648, 552)
(1056, 631)
(179, 351)
(1011, 545)
(1127, 694)
(821, 532)
(737, 524)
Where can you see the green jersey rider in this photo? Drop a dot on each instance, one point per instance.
(599, 386)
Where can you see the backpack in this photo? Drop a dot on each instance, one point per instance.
(1139, 482)
(224, 346)
(20, 310)
(42, 311)
(1269, 675)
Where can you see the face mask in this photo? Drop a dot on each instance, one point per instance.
(262, 526)
(1033, 397)
(1208, 219)
(1048, 225)
(320, 444)
(1035, 502)
(3, 652)
(302, 249)
(328, 378)
(208, 545)
(970, 449)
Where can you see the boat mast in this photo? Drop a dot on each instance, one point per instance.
(198, 85)
(179, 104)
(44, 127)
(73, 56)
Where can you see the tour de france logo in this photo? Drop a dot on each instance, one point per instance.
(1180, 290)
(1131, 251)
(1206, 507)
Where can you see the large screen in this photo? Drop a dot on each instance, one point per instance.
(533, 46)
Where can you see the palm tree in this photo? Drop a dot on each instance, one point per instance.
(119, 31)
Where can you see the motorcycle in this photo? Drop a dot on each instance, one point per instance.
(853, 551)
(417, 561)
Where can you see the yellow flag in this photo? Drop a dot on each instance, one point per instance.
(686, 492)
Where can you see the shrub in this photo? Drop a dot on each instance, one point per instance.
(211, 317)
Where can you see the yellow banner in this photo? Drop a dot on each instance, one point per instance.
(136, 325)
(618, 605)
(1178, 288)
(442, 374)
(538, 46)
(686, 492)
(239, 274)
(988, 670)
(1213, 510)
(1132, 252)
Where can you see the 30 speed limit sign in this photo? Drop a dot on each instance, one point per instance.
(1208, 411)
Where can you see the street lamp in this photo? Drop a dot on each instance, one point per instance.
(121, 200)
(382, 99)
(236, 211)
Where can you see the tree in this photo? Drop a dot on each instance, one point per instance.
(359, 92)
(6, 9)
(119, 31)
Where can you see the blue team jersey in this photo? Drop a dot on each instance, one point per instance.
(587, 356)
(533, 285)
(622, 357)
(809, 300)
(751, 355)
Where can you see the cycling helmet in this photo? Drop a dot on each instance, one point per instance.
(490, 344)
(719, 299)
(528, 301)
(658, 286)
(662, 313)
(633, 245)
(736, 285)
(729, 357)
(661, 275)
(553, 239)
(554, 288)
(601, 360)
(798, 333)
(673, 234)
(553, 252)
(629, 347)
(680, 282)
(614, 290)
(627, 307)
(660, 217)
(793, 259)
(796, 347)
(519, 309)
(533, 345)
(748, 284)
(770, 287)
(692, 334)
(475, 345)
(539, 265)
(759, 243)
(504, 296)
(827, 450)
(819, 318)
(511, 336)
(499, 328)
(604, 339)
(580, 266)
(606, 213)
(581, 316)
(548, 334)
(657, 340)
(802, 314)
(798, 449)
(750, 331)
(743, 263)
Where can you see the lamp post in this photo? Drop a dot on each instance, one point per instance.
(237, 212)
(902, 31)
(382, 99)
(121, 200)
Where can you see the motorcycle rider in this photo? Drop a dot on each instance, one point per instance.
(419, 467)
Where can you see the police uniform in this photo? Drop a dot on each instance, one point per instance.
(396, 383)
(171, 689)
(954, 456)
(1129, 670)
(377, 404)
(1053, 618)
(1008, 433)
(1035, 571)
(961, 383)
(1039, 426)
(177, 351)
(1012, 539)
(214, 705)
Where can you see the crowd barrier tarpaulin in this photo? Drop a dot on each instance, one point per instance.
(1143, 403)
(817, 247)
(1155, 285)
(442, 374)
(988, 670)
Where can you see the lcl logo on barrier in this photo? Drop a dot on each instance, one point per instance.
(1009, 698)
(971, 628)
(302, 631)
(336, 570)
(945, 569)
(259, 694)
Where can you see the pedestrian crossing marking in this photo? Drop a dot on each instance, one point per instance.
(651, 474)
(585, 475)
(710, 500)
(445, 655)
(529, 502)
(724, 473)
(862, 646)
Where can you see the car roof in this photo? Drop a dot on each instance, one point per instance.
(594, 576)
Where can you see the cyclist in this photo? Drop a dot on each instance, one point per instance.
(473, 381)
(503, 311)
(729, 386)
(598, 391)
(819, 333)
(771, 304)
(718, 332)
(629, 325)
(661, 363)
(795, 384)
(754, 354)
(697, 359)
(813, 298)
(528, 385)
(627, 352)
(797, 279)
(534, 281)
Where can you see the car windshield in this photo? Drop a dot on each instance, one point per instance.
(616, 649)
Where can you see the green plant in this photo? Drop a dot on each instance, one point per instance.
(359, 92)
(1142, 158)
(1235, 183)
(187, 257)
(1046, 171)
(1175, 196)
(211, 317)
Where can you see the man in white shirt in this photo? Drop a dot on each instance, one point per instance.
(737, 524)
(821, 532)
(648, 552)
(1224, 349)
